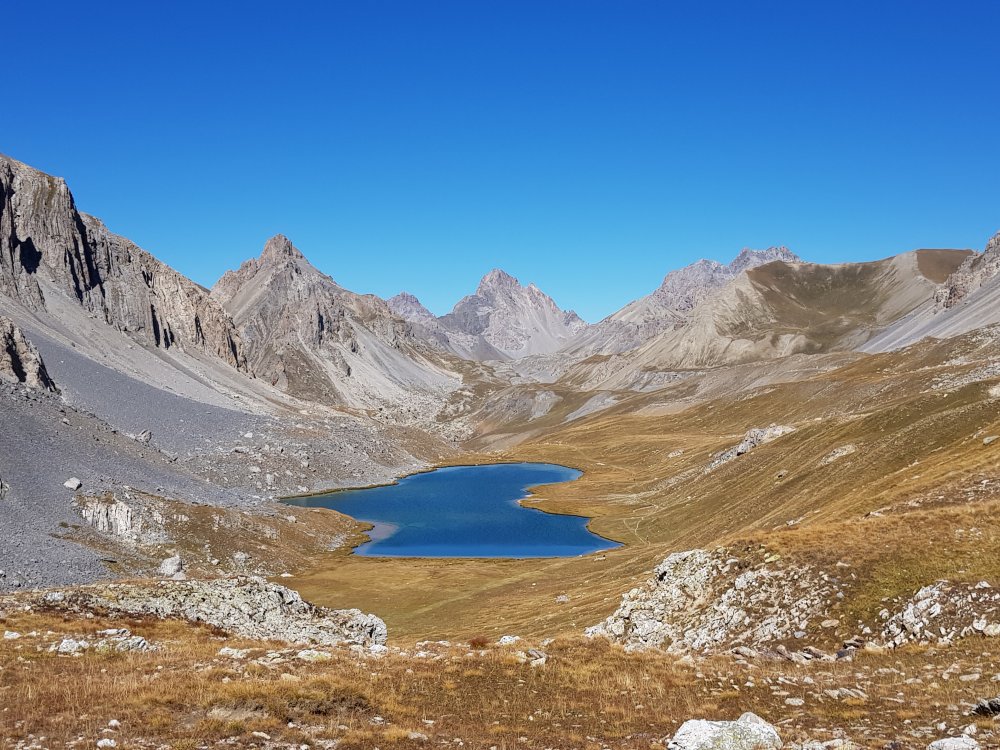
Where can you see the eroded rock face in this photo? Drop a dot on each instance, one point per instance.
(974, 272)
(749, 732)
(705, 602)
(754, 437)
(20, 361)
(312, 338)
(247, 606)
(48, 247)
(128, 522)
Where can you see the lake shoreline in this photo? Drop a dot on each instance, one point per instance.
(520, 502)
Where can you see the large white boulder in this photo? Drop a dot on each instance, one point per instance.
(954, 743)
(749, 732)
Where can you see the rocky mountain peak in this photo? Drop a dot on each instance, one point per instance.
(408, 307)
(510, 320)
(278, 249)
(496, 280)
(751, 258)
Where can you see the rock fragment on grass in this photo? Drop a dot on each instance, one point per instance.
(749, 732)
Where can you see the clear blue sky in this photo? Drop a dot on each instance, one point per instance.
(586, 146)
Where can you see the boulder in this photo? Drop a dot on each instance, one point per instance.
(954, 743)
(20, 361)
(988, 707)
(172, 566)
(73, 484)
(749, 732)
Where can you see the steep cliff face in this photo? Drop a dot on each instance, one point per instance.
(20, 362)
(974, 273)
(318, 341)
(48, 247)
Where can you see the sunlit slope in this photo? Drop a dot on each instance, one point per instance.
(777, 310)
(909, 428)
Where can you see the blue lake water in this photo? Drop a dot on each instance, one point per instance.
(465, 511)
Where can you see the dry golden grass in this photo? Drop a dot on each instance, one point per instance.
(920, 464)
(589, 694)
(913, 443)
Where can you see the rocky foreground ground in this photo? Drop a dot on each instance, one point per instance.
(694, 660)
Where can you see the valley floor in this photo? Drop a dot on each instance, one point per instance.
(877, 476)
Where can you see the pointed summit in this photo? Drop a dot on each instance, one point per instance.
(279, 249)
(507, 320)
(497, 279)
(408, 307)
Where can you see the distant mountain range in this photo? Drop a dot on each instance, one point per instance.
(502, 320)
(170, 386)
(279, 319)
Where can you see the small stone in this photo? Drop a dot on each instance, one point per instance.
(991, 439)
(311, 654)
(73, 484)
(107, 742)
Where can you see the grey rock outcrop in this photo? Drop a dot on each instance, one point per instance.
(49, 247)
(749, 732)
(20, 362)
(753, 438)
(246, 606)
(943, 612)
(975, 272)
(111, 515)
(699, 601)
(838, 453)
